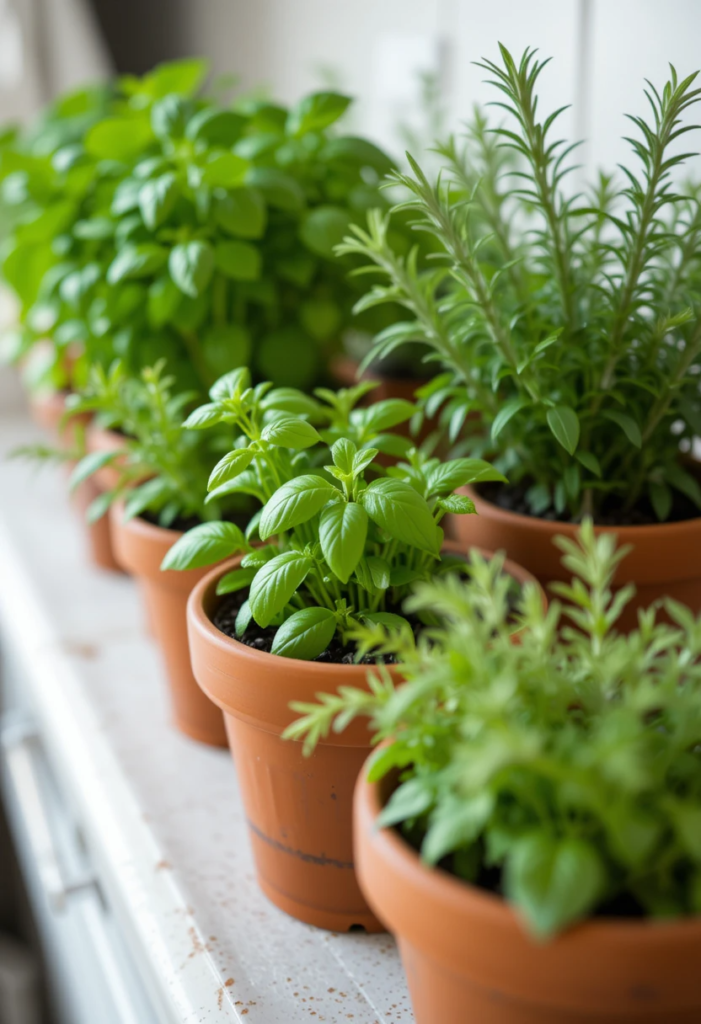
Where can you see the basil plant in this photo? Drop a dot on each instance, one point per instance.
(338, 539)
(562, 772)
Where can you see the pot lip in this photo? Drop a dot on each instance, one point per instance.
(550, 526)
(226, 644)
(138, 526)
(439, 885)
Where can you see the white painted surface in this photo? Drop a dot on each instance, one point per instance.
(161, 814)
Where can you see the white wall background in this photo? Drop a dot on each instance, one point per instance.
(602, 50)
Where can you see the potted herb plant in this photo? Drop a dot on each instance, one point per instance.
(337, 542)
(529, 826)
(569, 325)
(157, 490)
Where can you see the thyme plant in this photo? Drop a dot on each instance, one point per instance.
(563, 771)
(570, 323)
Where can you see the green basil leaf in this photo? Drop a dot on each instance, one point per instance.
(151, 495)
(204, 416)
(204, 545)
(238, 260)
(455, 824)
(348, 149)
(402, 513)
(235, 580)
(242, 213)
(402, 576)
(316, 112)
(118, 138)
(384, 415)
(231, 466)
(294, 503)
(243, 619)
(191, 266)
(553, 882)
(183, 76)
(564, 424)
(343, 527)
(324, 228)
(275, 583)
(225, 170)
(390, 621)
(279, 189)
(216, 128)
(409, 800)
(290, 432)
(157, 199)
(458, 472)
(136, 261)
(305, 634)
(458, 504)
(343, 452)
(290, 400)
(226, 346)
(379, 570)
(88, 465)
(231, 384)
(168, 117)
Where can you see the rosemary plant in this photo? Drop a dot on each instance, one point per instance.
(570, 323)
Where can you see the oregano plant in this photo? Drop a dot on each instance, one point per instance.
(338, 539)
(567, 324)
(561, 771)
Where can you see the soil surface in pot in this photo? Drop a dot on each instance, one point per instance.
(262, 639)
(512, 498)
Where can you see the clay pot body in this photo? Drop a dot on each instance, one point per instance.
(141, 547)
(468, 958)
(47, 412)
(665, 560)
(299, 809)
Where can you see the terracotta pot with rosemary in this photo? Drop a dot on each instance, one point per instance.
(335, 546)
(528, 825)
(571, 325)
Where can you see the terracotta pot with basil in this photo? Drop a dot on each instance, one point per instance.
(323, 568)
(524, 827)
(572, 329)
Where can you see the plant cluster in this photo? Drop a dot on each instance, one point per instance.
(152, 222)
(562, 770)
(162, 467)
(338, 539)
(569, 322)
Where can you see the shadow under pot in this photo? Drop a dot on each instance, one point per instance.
(299, 809)
(665, 560)
(46, 411)
(141, 547)
(467, 957)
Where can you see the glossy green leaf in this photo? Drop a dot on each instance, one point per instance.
(564, 424)
(295, 502)
(238, 260)
(399, 510)
(305, 634)
(275, 583)
(230, 466)
(290, 432)
(204, 545)
(242, 212)
(191, 266)
(135, 261)
(324, 228)
(157, 199)
(316, 112)
(343, 527)
(236, 580)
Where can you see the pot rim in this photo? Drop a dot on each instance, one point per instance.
(202, 593)
(439, 886)
(549, 526)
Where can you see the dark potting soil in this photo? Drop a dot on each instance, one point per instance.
(261, 639)
(184, 523)
(512, 498)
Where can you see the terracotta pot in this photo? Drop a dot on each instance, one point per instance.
(98, 439)
(468, 959)
(46, 411)
(665, 560)
(298, 809)
(141, 547)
